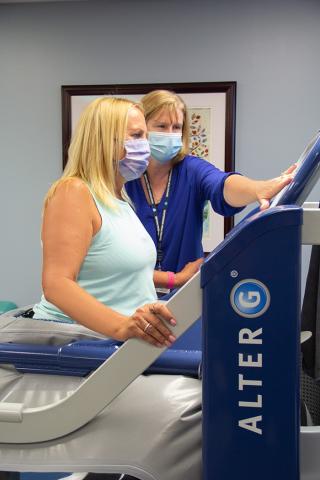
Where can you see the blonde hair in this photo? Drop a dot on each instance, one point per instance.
(96, 147)
(157, 100)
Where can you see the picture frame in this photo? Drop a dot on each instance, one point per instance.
(212, 114)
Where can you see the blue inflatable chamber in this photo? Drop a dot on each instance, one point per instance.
(82, 357)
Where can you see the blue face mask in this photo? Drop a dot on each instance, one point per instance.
(136, 160)
(164, 146)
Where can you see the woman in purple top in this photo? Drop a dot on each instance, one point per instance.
(170, 196)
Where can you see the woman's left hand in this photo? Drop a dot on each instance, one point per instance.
(267, 189)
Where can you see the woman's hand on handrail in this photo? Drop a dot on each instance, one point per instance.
(150, 323)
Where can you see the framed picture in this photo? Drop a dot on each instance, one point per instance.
(211, 110)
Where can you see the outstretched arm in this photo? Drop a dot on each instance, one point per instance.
(240, 191)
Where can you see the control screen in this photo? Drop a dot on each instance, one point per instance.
(306, 176)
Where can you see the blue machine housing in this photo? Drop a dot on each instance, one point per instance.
(251, 300)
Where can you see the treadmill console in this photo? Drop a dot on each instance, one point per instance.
(306, 176)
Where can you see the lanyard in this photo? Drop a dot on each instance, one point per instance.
(159, 224)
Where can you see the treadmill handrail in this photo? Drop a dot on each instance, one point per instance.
(28, 425)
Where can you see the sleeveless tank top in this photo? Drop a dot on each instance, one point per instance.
(118, 267)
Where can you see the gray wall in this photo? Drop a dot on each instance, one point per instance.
(270, 48)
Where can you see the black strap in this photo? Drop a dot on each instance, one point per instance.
(27, 314)
(159, 224)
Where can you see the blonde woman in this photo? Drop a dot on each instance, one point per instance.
(98, 259)
(98, 263)
(170, 196)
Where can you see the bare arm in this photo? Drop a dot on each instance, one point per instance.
(239, 191)
(68, 226)
(70, 221)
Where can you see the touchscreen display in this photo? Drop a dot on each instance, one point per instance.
(306, 175)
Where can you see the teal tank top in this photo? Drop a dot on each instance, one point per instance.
(118, 268)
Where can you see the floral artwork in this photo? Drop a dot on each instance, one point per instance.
(199, 119)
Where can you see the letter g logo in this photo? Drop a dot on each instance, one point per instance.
(250, 298)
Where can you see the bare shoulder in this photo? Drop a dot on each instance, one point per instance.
(70, 192)
(73, 186)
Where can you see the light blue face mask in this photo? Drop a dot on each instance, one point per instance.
(136, 160)
(164, 146)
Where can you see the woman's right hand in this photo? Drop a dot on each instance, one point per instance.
(149, 322)
(187, 272)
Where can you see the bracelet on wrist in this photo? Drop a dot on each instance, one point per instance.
(171, 280)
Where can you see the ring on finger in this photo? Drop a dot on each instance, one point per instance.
(146, 328)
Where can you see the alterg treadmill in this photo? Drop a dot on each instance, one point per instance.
(248, 292)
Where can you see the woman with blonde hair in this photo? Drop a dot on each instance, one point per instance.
(98, 263)
(170, 196)
(97, 258)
